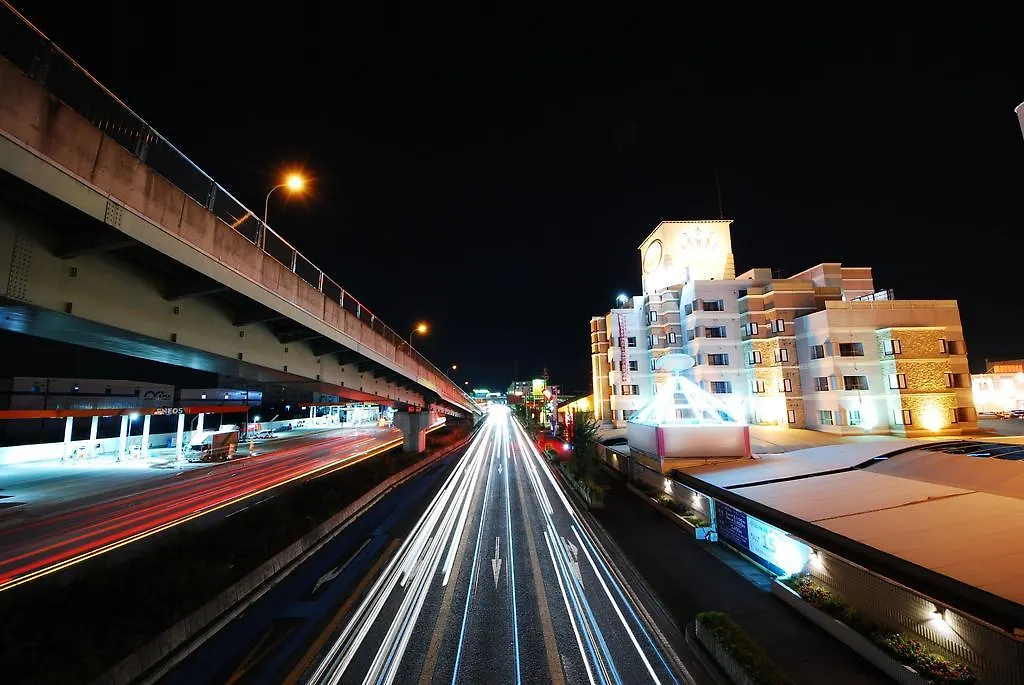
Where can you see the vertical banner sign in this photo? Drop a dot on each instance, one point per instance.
(623, 353)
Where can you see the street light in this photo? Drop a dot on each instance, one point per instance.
(420, 328)
(295, 183)
(455, 367)
(621, 299)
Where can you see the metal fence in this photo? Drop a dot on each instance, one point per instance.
(30, 50)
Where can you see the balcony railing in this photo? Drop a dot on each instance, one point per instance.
(33, 52)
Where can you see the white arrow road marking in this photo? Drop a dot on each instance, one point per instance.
(574, 561)
(335, 572)
(496, 561)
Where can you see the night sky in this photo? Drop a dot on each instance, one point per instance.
(491, 170)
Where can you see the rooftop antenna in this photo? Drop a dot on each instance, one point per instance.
(718, 188)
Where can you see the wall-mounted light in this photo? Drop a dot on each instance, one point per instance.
(817, 563)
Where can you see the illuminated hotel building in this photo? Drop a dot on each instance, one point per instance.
(821, 349)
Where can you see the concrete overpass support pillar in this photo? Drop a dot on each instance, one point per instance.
(94, 430)
(181, 433)
(68, 423)
(414, 428)
(122, 443)
(145, 435)
(312, 412)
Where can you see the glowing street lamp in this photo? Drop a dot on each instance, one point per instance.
(295, 183)
(622, 299)
(420, 328)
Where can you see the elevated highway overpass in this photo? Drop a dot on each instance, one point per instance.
(110, 237)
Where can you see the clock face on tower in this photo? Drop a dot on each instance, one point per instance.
(652, 257)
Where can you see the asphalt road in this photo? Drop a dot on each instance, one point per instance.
(46, 539)
(498, 581)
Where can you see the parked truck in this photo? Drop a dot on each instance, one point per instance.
(213, 446)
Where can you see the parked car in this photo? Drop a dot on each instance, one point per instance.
(1017, 413)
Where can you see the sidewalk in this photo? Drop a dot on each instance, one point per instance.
(689, 579)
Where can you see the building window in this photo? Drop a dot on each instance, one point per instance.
(943, 346)
(741, 293)
(630, 342)
(714, 305)
(653, 362)
(855, 382)
(718, 359)
(958, 380)
(721, 387)
(790, 416)
(897, 381)
(636, 389)
(627, 390)
(781, 355)
(825, 417)
(612, 390)
(892, 346)
(654, 317)
(752, 328)
(778, 326)
(757, 386)
(785, 385)
(968, 414)
(854, 416)
(821, 383)
(754, 357)
(687, 310)
(634, 365)
(902, 418)
(817, 351)
(694, 307)
(671, 338)
(690, 334)
(714, 332)
(854, 349)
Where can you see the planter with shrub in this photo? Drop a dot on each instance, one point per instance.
(911, 661)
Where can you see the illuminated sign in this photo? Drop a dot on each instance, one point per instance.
(778, 551)
(623, 351)
(678, 252)
(538, 387)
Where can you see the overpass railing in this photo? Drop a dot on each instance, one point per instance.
(33, 52)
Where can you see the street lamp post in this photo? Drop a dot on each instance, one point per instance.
(294, 183)
(420, 328)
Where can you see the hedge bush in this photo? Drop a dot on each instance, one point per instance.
(747, 653)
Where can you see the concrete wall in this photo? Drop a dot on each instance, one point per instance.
(62, 154)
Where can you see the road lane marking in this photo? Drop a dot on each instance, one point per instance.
(472, 580)
(306, 661)
(554, 658)
(496, 561)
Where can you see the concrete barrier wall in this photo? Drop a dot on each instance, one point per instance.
(219, 610)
